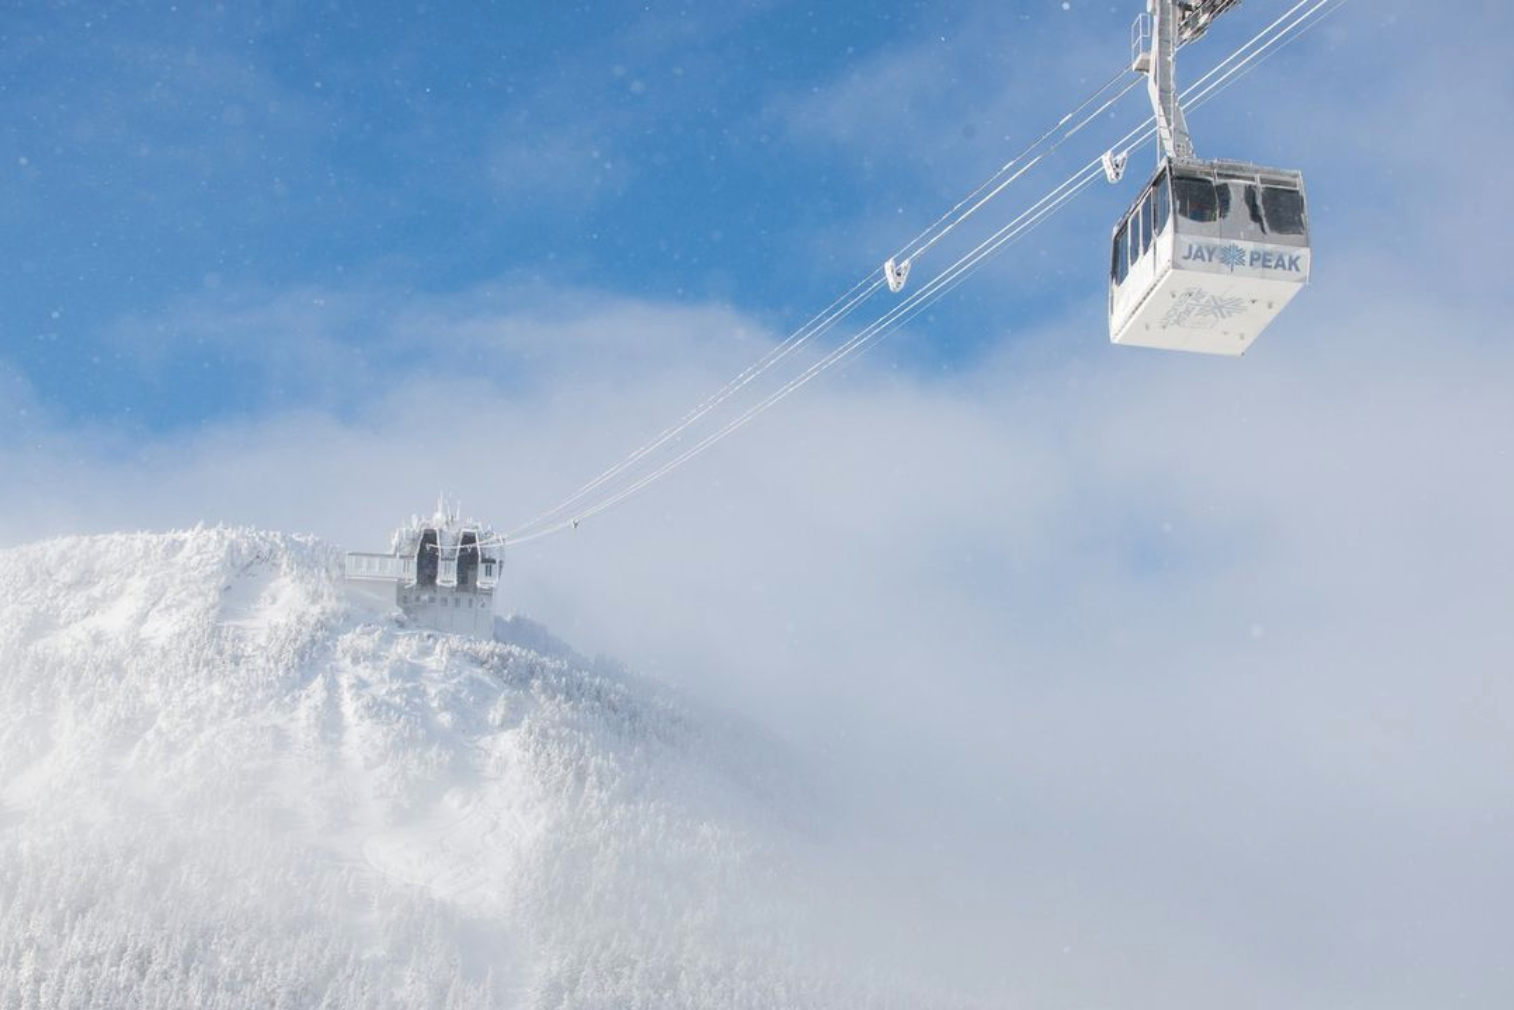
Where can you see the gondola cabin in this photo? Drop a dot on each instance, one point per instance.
(1208, 256)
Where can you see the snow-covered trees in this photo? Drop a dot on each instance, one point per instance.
(222, 786)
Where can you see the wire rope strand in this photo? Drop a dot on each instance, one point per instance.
(821, 321)
(840, 354)
(1199, 93)
(858, 294)
(905, 252)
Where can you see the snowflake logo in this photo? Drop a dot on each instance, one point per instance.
(1196, 309)
(1219, 308)
(1232, 256)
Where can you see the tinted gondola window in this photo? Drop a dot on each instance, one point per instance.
(1135, 237)
(1148, 221)
(1163, 203)
(1254, 208)
(1222, 200)
(1118, 265)
(1196, 200)
(1284, 209)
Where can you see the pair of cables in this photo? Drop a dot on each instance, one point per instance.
(584, 503)
(828, 318)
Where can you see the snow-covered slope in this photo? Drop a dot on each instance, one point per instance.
(223, 785)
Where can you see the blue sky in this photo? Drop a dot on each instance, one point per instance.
(218, 153)
(1164, 680)
(761, 155)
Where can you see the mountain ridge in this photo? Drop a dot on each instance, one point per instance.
(226, 784)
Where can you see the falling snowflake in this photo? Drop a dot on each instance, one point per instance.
(1232, 256)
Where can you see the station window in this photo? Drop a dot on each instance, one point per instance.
(1284, 209)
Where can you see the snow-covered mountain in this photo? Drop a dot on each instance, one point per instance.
(225, 784)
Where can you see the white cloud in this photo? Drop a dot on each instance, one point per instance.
(1101, 646)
